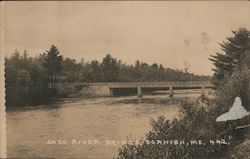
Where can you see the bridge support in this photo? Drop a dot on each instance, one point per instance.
(171, 91)
(203, 90)
(139, 92)
(111, 92)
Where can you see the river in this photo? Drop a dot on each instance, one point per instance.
(47, 131)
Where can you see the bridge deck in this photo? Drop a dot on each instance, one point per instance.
(206, 84)
(110, 86)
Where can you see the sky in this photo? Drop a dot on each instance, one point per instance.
(177, 34)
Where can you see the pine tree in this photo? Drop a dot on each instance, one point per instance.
(53, 64)
(234, 50)
(110, 69)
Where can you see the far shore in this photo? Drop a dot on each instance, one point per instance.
(161, 99)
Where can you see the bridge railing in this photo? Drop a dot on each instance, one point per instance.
(160, 84)
(151, 84)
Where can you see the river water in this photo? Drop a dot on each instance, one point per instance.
(51, 131)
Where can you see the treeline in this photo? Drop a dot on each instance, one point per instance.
(31, 80)
(34, 80)
(112, 70)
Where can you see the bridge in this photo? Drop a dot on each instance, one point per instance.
(109, 87)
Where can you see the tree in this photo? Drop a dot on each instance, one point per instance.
(71, 70)
(53, 64)
(234, 50)
(95, 71)
(26, 82)
(110, 69)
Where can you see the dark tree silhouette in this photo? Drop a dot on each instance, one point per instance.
(53, 64)
(110, 69)
(234, 50)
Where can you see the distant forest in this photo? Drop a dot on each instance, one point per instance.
(33, 80)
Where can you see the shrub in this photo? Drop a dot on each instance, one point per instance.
(237, 85)
(197, 124)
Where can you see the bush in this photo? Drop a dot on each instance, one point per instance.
(237, 85)
(197, 124)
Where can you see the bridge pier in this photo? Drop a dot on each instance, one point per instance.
(111, 92)
(203, 90)
(171, 91)
(139, 92)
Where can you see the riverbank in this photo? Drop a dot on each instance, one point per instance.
(162, 98)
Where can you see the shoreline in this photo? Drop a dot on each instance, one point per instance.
(133, 99)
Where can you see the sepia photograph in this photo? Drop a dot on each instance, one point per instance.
(125, 79)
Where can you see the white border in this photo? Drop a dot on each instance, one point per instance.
(3, 151)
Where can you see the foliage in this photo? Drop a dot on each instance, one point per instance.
(110, 69)
(26, 80)
(53, 64)
(71, 71)
(32, 80)
(198, 123)
(233, 52)
(237, 85)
